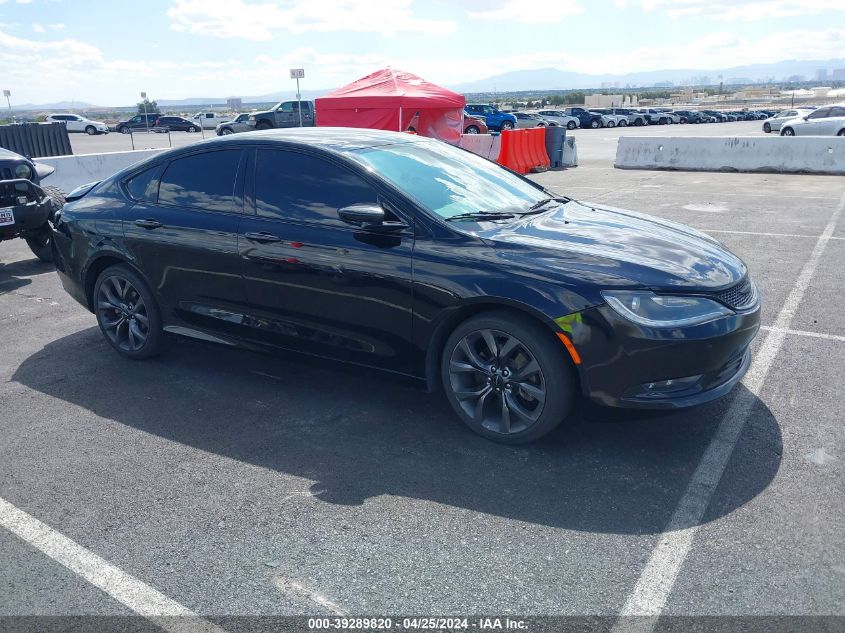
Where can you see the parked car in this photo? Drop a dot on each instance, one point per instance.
(78, 123)
(627, 309)
(475, 125)
(654, 117)
(586, 118)
(209, 120)
(137, 122)
(176, 124)
(634, 117)
(495, 118)
(561, 118)
(26, 206)
(529, 119)
(718, 116)
(825, 121)
(673, 117)
(284, 114)
(617, 118)
(774, 123)
(691, 116)
(239, 124)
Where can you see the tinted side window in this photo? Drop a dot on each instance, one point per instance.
(837, 111)
(300, 187)
(202, 181)
(141, 186)
(287, 106)
(820, 113)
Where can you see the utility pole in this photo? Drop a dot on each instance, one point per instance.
(7, 94)
(144, 103)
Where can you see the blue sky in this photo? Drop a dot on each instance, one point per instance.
(105, 53)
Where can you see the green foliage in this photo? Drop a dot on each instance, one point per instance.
(147, 106)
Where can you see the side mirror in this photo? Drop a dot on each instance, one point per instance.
(806, 118)
(362, 214)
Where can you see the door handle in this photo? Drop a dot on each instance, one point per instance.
(262, 237)
(149, 223)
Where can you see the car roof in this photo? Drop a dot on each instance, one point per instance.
(334, 139)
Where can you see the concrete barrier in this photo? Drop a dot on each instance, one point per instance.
(72, 171)
(779, 154)
(486, 145)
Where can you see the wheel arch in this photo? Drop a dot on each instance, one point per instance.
(95, 268)
(453, 317)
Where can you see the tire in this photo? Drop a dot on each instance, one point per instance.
(226, 131)
(193, 129)
(90, 130)
(595, 124)
(507, 125)
(122, 301)
(639, 123)
(472, 129)
(535, 406)
(622, 123)
(610, 124)
(264, 125)
(123, 129)
(661, 122)
(787, 131)
(841, 133)
(767, 128)
(40, 244)
(571, 125)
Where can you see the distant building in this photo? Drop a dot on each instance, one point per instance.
(839, 73)
(610, 101)
(821, 74)
(234, 103)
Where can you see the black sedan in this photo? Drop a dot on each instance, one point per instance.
(176, 124)
(409, 255)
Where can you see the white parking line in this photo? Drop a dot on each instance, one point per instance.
(829, 337)
(767, 234)
(288, 586)
(131, 592)
(649, 595)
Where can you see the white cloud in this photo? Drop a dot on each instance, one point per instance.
(528, 13)
(258, 20)
(38, 28)
(729, 10)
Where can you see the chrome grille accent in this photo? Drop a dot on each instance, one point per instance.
(741, 296)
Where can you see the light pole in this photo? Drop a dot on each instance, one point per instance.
(144, 103)
(298, 73)
(7, 94)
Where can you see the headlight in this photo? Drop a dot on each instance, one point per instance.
(651, 310)
(23, 171)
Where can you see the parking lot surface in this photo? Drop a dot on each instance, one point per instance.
(235, 483)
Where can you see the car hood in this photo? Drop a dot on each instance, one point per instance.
(616, 243)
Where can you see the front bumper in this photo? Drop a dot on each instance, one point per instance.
(631, 366)
(29, 205)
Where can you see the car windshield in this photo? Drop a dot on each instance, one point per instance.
(449, 181)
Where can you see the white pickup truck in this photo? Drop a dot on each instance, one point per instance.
(210, 120)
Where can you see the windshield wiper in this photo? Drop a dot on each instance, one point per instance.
(537, 207)
(475, 215)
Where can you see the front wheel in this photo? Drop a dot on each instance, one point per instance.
(787, 131)
(571, 125)
(611, 124)
(123, 129)
(90, 130)
(507, 377)
(472, 129)
(193, 129)
(595, 124)
(507, 125)
(841, 133)
(767, 128)
(39, 244)
(623, 123)
(264, 125)
(127, 313)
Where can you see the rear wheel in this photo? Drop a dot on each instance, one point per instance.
(787, 131)
(595, 124)
(193, 129)
(841, 133)
(571, 125)
(611, 123)
(472, 129)
(623, 123)
(90, 130)
(767, 128)
(506, 377)
(507, 125)
(127, 313)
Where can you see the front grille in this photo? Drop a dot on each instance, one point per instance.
(741, 296)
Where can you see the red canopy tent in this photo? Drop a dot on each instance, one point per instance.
(394, 100)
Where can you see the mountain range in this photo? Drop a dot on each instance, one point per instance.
(544, 79)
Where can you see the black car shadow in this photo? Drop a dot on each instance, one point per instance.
(360, 434)
(17, 274)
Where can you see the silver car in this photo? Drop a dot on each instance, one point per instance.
(238, 124)
(825, 121)
(773, 124)
(561, 118)
(529, 119)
